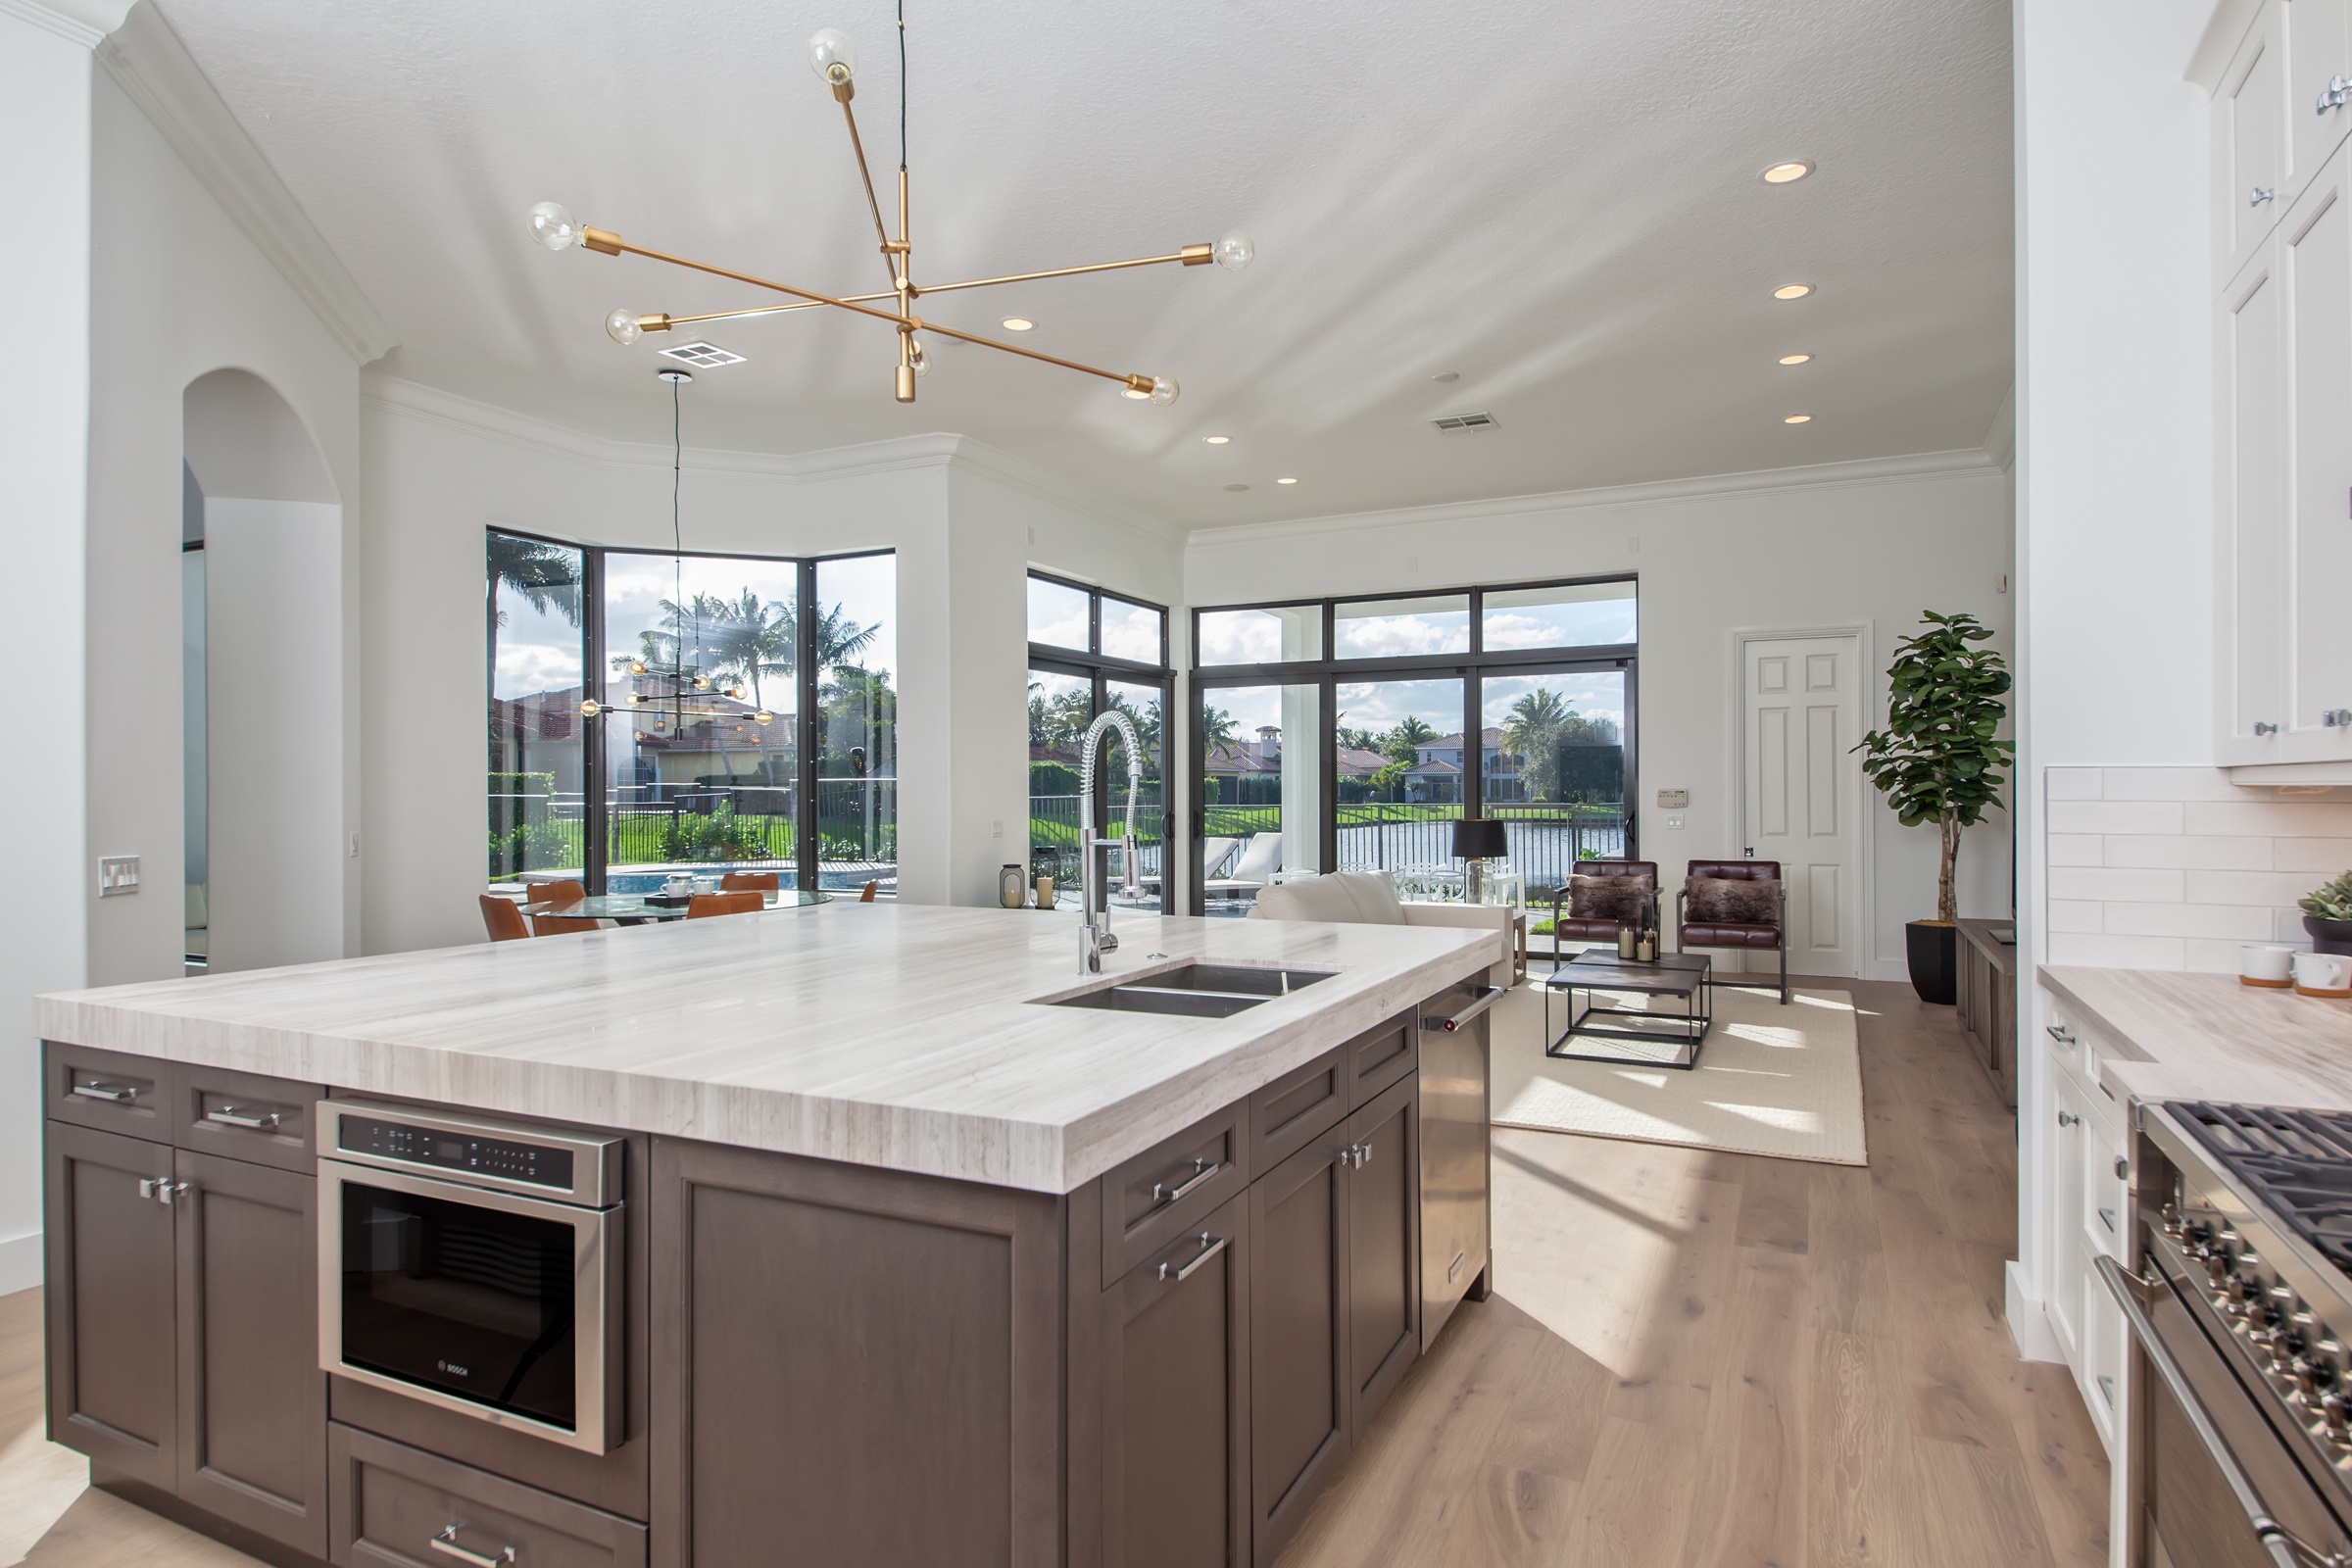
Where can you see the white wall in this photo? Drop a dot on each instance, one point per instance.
(44, 401)
(1858, 545)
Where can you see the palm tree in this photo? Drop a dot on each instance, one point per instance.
(1538, 722)
(1404, 743)
(756, 638)
(840, 639)
(1216, 728)
(547, 577)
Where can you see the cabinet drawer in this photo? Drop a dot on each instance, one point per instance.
(1378, 1057)
(238, 1115)
(1154, 1199)
(108, 1090)
(1297, 1108)
(390, 1503)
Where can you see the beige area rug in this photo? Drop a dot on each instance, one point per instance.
(1772, 1080)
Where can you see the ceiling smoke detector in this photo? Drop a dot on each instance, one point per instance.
(1467, 421)
(701, 354)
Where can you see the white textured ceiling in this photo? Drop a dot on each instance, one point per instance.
(1560, 202)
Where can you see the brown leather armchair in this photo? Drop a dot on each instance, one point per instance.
(1566, 927)
(1747, 934)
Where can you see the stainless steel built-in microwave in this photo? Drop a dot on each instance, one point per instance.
(475, 1265)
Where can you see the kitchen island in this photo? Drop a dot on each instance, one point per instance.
(892, 1253)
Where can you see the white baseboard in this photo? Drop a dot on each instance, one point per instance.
(2029, 1324)
(19, 1262)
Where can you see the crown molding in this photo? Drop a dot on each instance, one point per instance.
(78, 21)
(1972, 462)
(148, 62)
(431, 405)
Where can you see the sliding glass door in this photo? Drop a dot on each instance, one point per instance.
(1093, 652)
(1261, 810)
(1400, 765)
(1562, 737)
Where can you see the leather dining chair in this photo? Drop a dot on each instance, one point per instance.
(1762, 926)
(1566, 926)
(504, 919)
(553, 895)
(750, 882)
(868, 897)
(554, 925)
(703, 906)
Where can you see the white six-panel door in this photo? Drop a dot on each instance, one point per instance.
(1801, 788)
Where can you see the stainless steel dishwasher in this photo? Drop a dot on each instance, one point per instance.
(1456, 1215)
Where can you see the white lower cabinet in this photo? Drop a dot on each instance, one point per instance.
(2086, 1217)
(2068, 1260)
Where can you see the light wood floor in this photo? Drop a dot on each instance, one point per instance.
(1692, 1361)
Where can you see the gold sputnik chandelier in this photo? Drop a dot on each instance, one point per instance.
(835, 61)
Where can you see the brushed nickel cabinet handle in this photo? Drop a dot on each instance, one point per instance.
(2060, 1033)
(446, 1543)
(2067, 1118)
(2123, 1169)
(231, 1116)
(174, 1192)
(1210, 1247)
(1163, 1194)
(112, 1093)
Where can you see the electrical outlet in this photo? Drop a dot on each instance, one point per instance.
(118, 875)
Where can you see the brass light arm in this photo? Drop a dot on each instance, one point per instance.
(612, 244)
(848, 117)
(1189, 256)
(1134, 383)
(762, 310)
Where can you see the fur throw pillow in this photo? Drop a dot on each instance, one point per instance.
(1729, 901)
(1622, 898)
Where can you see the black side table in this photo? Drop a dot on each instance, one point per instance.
(1592, 1022)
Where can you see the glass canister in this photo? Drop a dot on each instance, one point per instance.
(1011, 887)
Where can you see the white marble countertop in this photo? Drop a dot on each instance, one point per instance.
(2207, 1037)
(893, 1035)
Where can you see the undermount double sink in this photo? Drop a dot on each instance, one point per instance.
(1196, 990)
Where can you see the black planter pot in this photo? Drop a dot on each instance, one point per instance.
(1933, 950)
(2329, 936)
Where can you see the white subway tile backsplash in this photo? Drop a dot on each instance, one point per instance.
(2115, 816)
(2077, 914)
(2193, 851)
(2119, 953)
(2171, 868)
(2222, 920)
(2077, 848)
(2070, 784)
(2109, 883)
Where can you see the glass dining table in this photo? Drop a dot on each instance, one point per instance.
(636, 908)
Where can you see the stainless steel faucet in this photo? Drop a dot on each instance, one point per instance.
(1095, 936)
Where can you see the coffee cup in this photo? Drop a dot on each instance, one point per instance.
(2323, 974)
(2266, 965)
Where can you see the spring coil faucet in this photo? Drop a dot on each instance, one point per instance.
(1094, 936)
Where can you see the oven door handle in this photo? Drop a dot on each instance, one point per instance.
(2127, 1289)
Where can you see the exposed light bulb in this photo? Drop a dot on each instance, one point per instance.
(920, 360)
(554, 227)
(1164, 390)
(591, 707)
(701, 683)
(735, 692)
(1235, 251)
(636, 666)
(1133, 393)
(623, 327)
(763, 717)
(636, 699)
(832, 57)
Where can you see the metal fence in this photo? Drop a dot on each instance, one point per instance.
(1054, 824)
(750, 826)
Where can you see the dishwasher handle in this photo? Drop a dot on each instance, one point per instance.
(2284, 1549)
(1482, 997)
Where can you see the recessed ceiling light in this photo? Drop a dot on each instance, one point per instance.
(1019, 324)
(1237, 487)
(1798, 418)
(1795, 359)
(1446, 375)
(1286, 480)
(1217, 440)
(1792, 291)
(1784, 173)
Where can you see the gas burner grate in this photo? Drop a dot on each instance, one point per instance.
(2297, 1162)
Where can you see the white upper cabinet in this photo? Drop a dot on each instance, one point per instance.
(2251, 571)
(2315, 251)
(2250, 142)
(2319, 86)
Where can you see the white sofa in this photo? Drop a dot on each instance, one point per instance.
(1369, 897)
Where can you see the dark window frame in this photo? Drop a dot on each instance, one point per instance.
(596, 781)
(1098, 669)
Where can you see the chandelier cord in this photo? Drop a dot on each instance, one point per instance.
(902, 87)
(677, 561)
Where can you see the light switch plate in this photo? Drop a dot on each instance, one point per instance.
(118, 873)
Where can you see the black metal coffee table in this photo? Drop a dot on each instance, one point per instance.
(1598, 969)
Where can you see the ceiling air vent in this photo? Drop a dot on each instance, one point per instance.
(1467, 421)
(701, 356)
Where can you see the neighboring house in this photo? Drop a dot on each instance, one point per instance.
(1438, 775)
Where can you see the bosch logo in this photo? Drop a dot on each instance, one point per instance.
(455, 1370)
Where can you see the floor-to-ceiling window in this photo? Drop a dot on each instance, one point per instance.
(1349, 734)
(1092, 652)
(726, 691)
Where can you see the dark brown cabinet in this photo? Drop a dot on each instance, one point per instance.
(1175, 1402)
(1384, 1254)
(183, 1303)
(1299, 1372)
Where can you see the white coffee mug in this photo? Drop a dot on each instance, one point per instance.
(2264, 965)
(2324, 974)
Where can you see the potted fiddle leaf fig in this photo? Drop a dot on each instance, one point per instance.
(1938, 760)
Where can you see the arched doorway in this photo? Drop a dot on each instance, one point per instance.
(263, 680)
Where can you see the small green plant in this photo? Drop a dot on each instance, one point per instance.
(1937, 759)
(2331, 901)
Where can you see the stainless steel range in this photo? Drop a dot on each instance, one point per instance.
(2240, 1445)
